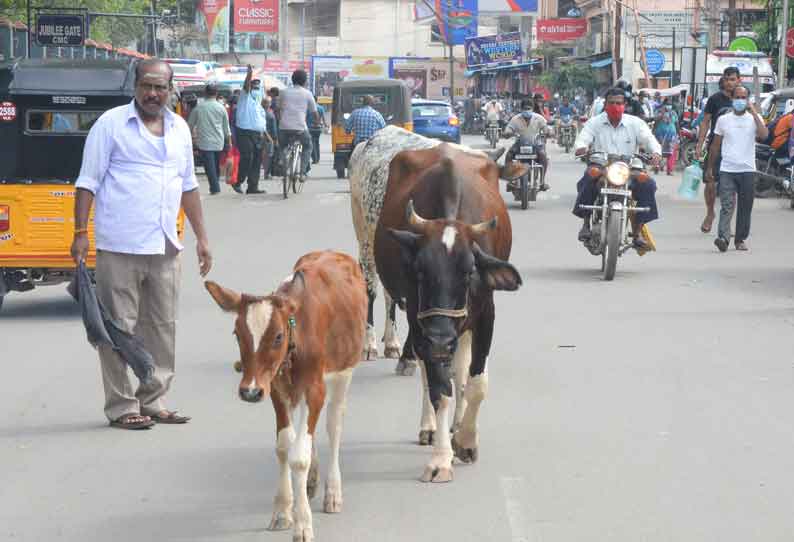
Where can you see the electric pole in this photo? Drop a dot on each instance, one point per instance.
(782, 58)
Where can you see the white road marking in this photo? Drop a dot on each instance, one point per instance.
(513, 492)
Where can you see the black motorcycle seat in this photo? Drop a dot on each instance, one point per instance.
(760, 147)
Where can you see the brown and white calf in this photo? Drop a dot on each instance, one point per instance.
(295, 343)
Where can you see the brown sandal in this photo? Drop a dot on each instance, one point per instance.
(169, 417)
(125, 422)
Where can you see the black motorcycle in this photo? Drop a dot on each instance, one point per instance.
(772, 172)
(525, 150)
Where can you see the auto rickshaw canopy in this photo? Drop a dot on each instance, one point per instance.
(68, 76)
(392, 99)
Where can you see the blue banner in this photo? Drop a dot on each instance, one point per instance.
(492, 49)
(457, 20)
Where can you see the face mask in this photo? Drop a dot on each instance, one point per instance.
(615, 112)
(739, 104)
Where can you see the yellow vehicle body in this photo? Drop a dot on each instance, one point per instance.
(392, 100)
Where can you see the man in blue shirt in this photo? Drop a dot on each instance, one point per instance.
(316, 129)
(251, 123)
(364, 122)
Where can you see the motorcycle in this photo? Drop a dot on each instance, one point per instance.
(493, 131)
(477, 123)
(525, 151)
(609, 221)
(772, 172)
(567, 133)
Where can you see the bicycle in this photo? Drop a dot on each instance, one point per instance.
(293, 175)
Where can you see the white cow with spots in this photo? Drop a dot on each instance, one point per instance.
(369, 173)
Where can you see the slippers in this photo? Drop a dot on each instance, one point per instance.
(169, 417)
(124, 422)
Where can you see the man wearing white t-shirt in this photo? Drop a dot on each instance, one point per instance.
(735, 135)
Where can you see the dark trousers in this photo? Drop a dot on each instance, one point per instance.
(315, 145)
(643, 193)
(742, 185)
(212, 168)
(250, 144)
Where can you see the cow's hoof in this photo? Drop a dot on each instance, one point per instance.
(312, 481)
(303, 535)
(370, 354)
(392, 352)
(437, 475)
(426, 437)
(281, 522)
(238, 366)
(465, 455)
(333, 502)
(405, 367)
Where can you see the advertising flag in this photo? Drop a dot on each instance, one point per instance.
(457, 20)
(213, 18)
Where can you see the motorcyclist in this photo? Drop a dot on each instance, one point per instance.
(566, 109)
(617, 133)
(633, 106)
(493, 111)
(527, 125)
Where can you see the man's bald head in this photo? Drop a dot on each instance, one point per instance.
(151, 67)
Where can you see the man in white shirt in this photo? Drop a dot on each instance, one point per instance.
(138, 168)
(614, 132)
(493, 111)
(296, 103)
(735, 135)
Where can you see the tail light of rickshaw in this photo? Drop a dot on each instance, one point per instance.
(5, 221)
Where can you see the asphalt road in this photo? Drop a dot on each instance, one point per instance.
(654, 408)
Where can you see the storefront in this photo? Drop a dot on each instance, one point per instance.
(512, 79)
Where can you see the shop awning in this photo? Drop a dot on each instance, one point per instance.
(505, 67)
(603, 63)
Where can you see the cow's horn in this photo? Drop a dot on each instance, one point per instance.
(416, 221)
(484, 227)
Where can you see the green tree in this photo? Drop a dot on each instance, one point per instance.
(569, 78)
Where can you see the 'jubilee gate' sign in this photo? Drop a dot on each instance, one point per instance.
(60, 30)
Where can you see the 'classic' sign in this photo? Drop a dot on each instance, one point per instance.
(60, 30)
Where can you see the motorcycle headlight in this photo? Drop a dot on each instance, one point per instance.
(618, 174)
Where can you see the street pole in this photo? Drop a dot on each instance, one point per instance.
(451, 75)
(616, 65)
(30, 32)
(782, 59)
(303, 31)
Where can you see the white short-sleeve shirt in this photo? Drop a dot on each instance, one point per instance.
(137, 180)
(738, 142)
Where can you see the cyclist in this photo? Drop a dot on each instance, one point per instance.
(295, 103)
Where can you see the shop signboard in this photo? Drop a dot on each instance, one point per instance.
(59, 30)
(255, 26)
(493, 49)
(561, 29)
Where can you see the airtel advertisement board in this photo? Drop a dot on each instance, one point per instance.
(256, 16)
(561, 29)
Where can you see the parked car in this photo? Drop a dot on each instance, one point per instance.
(435, 119)
(189, 72)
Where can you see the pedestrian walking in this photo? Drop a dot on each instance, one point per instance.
(271, 137)
(138, 169)
(364, 122)
(250, 119)
(209, 123)
(666, 132)
(734, 138)
(717, 105)
(316, 125)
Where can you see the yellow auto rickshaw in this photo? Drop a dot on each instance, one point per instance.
(392, 100)
(47, 107)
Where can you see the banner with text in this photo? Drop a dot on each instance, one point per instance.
(256, 26)
(212, 18)
(491, 49)
(457, 20)
(561, 29)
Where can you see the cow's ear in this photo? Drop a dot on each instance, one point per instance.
(227, 299)
(513, 171)
(408, 240)
(495, 273)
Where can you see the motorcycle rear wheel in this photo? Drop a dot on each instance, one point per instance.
(612, 246)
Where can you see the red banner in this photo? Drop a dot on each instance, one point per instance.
(561, 29)
(211, 9)
(256, 16)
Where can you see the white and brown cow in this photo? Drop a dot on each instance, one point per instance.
(296, 343)
(369, 173)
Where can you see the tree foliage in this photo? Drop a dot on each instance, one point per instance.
(569, 78)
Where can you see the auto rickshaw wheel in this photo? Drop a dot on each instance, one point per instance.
(2, 297)
(340, 173)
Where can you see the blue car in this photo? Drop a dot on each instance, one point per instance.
(435, 119)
